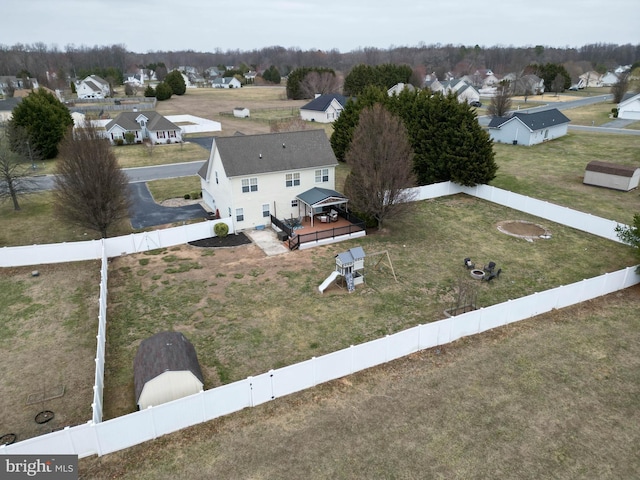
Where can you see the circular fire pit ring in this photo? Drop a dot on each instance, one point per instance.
(477, 274)
(522, 229)
(44, 416)
(8, 438)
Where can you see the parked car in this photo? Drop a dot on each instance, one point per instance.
(476, 104)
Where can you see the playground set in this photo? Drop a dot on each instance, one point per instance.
(349, 269)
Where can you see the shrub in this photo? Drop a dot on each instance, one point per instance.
(221, 229)
(119, 142)
(130, 137)
(187, 196)
(614, 112)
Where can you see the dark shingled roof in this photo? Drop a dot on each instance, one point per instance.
(611, 168)
(273, 152)
(321, 103)
(535, 121)
(317, 195)
(164, 352)
(155, 122)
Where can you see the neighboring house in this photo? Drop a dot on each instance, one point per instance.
(250, 76)
(144, 125)
(6, 108)
(93, 87)
(461, 89)
(529, 128)
(212, 72)
(609, 79)
(611, 175)
(433, 85)
(8, 84)
(165, 368)
(251, 177)
(590, 79)
(526, 84)
(241, 112)
(134, 79)
(399, 87)
(324, 108)
(629, 108)
(226, 82)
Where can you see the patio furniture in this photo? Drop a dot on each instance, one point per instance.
(324, 218)
(333, 215)
(490, 267)
(492, 275)
(468, 263)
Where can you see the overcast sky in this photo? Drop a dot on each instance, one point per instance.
(205, 25)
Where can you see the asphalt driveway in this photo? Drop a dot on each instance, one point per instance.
(145, 212)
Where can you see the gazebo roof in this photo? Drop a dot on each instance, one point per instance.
(317, 197)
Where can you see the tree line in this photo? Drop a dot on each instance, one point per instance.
(53, 66)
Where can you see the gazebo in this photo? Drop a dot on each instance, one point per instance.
(317, 200)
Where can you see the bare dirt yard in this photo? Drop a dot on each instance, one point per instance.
(48, 327)
(218, 104)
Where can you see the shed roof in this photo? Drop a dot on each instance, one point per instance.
(611, 168)
(163, 352)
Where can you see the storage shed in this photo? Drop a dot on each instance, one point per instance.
(611, 175)
(165, 368)
(241, 112)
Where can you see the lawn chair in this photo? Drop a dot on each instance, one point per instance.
(469, 264)
(490, 267)
(492, 275)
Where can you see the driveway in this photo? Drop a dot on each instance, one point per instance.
(145, 212)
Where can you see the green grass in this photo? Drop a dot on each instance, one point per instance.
(257, 318)
(554, 171)
(142, 155)
(174, 187)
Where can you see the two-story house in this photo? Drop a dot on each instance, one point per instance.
(251, 177)
(93, 87)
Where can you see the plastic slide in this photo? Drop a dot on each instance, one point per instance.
(328, 281)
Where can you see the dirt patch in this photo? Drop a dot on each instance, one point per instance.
(49, 324)
(523, 229)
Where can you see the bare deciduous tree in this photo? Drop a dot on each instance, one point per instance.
(381, 161)
(501, 102)
(15, 175)
(319, 83)
(619, 88)
(90, 188)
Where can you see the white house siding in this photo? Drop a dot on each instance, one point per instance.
(630, 109)
(84, 91)
(227, 196)
(515, 130)
(329, 115)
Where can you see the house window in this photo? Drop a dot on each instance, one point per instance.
(265, 210)
(216, 178)
(546, 134)
(159, 134)
(292, 179)
(249, 185)
(294, 202)
(239, 214)
(322, 175)
(172, 134)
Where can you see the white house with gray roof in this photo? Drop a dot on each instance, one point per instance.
(143, 125)
(93, 87)
(251, 177)
(324, 108)
(523, 128)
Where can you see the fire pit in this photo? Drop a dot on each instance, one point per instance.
(477, 274)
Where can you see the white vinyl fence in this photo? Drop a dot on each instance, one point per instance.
(97, 437)
(123, 432)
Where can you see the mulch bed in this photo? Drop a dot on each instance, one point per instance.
(233, 240)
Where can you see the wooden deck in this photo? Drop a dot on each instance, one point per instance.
(321, 230)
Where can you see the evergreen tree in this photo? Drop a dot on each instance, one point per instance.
(272, 75)
(175, 80)
(44, 119)
(163, 91)
(550, 71)
(149, 91)
(382, 76)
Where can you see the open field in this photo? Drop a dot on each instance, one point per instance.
(553, 171)
(48, 341)
(247, 313)
(556, 396)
